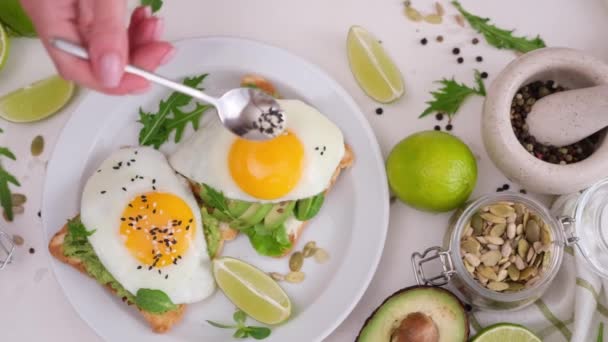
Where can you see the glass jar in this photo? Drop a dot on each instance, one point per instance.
(7, 248)
(453, 269)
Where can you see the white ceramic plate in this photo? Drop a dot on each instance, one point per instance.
(352, 224)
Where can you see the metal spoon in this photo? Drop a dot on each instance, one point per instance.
(249, 113)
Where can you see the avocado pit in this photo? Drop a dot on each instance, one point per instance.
(416, 327)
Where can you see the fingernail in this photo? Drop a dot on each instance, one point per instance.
(110, 70)
(147, 11)
(158, 30)
(168, 56)
(140, 90)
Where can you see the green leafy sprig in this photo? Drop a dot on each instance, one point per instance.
(6, 197)
(171, 117)
(217, 201)
(497, 37)
(452, 95)
(242, 330)
(155, 5)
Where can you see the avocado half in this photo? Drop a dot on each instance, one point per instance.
(417, 314)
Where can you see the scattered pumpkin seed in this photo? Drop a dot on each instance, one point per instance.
(37, 146)
(459, 20)
(18, 240)
(276, 276)
(321, 256)
(18, 210)
(309, 249)
(18, 199)
(296, 261)
(412, 14)
(433, 19)
(439, 9)
(295, 277)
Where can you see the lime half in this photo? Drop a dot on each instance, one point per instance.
(372, 67)
(503, 332)
(252, 290)
(36, 101)
(4, 46)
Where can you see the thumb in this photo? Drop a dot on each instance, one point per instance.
(108, 45)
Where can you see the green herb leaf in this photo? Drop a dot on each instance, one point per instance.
(600, 333)
(241, 333)
(497, 37)
(6, 199)
(275, 244)
(216, 200)
(154, 301)
(452, 95)
(259, 333)
(239, 317)
(158, 126)
(155, 5)
(78, 230)
(221, 326)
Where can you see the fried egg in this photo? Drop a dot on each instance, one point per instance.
(298, 164)
(148, 228)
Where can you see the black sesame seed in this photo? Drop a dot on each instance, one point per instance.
(128, 164)
(460, 60)
(439, 116)
(456, 51)
(153, 211)
(98, 171)
(159, 272)
(475, 41)
(479, 58)
(32, 250)
(498, 189)
(153, 187)
(379, 111)
(149, 268)
(505, 187)
(166, 276)
(135, 151)
(154, 181)
(449, 127)
(423, 41)
(39, 213)
(123, 219)
(523, 191)
(316, 148)
(132, 160)
(437, 128)
(132, 179)
(103, 192)
(484, 75)
(190, 220)
(116, 167)
(139, 267)
(124, 189)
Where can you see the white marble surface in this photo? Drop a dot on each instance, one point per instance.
(33, 307)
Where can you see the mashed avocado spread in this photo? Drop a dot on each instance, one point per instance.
(212, 232)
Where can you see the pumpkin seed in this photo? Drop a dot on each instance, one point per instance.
(501, 210)
(511, 230)
(492, 247)
(469, 267)
(538, 247)
(531, 254)
(526, 217)
(493, 218)
(497, 286)
(527, 273)
(18, 210)
(294, 277)
(532, 231)
(296, 261)
(532, 281)
(519, 263)
(546, 259)
(309, 249)
(511, 218)
(321, 256)
(472, 259)
(477, 224)
(481, 240)
(18, 199)
(487, 272)
(483, 280)
(545, 236)
(433, 19)
(515, 286)
(459, 20)
(470, 246)
(18, 240)
(522, 248)
(502, 275)
(491, 258)
(505, 265)
(494, 240)
(276, 276)
(504, 261)
(37, 146)
(468, 231)
(506, 250)
(513, 272)
(412, 14)
(439, 9)
(520, 229)
(498, 230)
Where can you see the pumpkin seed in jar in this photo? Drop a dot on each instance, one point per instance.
(501, 210)
(494, 240)
(295, 277)
(493, 218)
(469, 267)
(498, 229)
(522, 248)
(487, 272)
(545, 236)
(497, 286)
(491, 258)
(532, 231)
(470, 246)
(472, 259)
(528, 272)
(477, 224)
(511, 230)
(321, 256)
(502, 275)
(515, 287)
(296, 261)
(37, 146)
(513, 272)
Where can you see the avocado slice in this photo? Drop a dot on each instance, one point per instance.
(278, 214)
(307, 208)
(252, 216)
(417, 314)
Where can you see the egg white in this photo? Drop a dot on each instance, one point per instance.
(191, 279)
(203, 158)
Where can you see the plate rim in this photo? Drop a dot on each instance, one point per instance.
(357, 114)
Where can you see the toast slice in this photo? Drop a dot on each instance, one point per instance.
(160, 323)
(229, 234)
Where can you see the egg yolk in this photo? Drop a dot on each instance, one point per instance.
(267, 169)
(157, 228)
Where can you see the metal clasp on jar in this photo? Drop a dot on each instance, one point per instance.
(418, 261)
(7, 248)
(566, 224)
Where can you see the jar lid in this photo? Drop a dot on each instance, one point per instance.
(591, 226)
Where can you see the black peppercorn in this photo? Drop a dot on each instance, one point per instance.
(484, 75)
(439, 116)
(475, 41)
(455, 51)
(449, 127)
(423, 41)
(460, 60)
(379, 111)
(479, 58)
(437, 128)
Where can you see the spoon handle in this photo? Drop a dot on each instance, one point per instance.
(79, 51)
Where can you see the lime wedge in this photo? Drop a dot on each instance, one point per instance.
(374, 70)
(4, 46)
(36, 101)
(503, 332)
(252, 290)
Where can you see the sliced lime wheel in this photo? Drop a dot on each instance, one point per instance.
(503, 332)
(36, 101)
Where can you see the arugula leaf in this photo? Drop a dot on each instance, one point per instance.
(497, 37)
(450, 97)
(216, 200)
(154, 301)
(275, 244)
(243, 331)
(78, 230)
(158, 126)
(155, 5)
(6, 199)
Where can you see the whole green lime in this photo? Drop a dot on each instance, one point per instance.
(432, 171)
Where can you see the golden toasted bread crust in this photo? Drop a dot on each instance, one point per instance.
(160, 323)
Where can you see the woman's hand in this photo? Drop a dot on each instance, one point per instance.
(99, 26)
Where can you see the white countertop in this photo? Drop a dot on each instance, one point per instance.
(33, 306)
